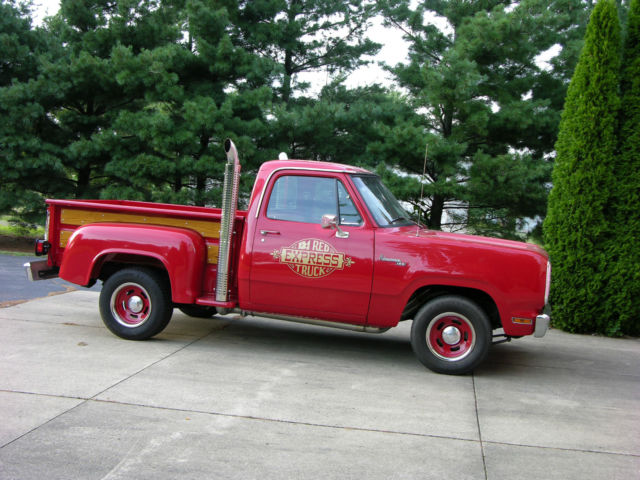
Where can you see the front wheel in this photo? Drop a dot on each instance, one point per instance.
(451, 334)
(135, 303)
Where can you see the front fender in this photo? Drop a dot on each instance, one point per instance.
(181, 251)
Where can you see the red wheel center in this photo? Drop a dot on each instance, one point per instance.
(451, 337)
(131, 305)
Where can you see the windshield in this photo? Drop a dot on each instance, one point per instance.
(384, 207)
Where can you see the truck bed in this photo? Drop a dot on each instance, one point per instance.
(67, 215)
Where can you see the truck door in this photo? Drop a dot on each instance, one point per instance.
(298, 267)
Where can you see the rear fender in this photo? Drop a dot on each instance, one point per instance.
(182, 253)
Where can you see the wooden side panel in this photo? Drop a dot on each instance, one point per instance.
(212, 253)
(64, 237)
(71, 218)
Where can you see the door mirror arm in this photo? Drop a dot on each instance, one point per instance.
(330, 221)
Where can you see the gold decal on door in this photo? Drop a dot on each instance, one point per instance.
(312, 258)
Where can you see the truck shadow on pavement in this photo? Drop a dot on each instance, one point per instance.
(506, 359)
(303, 343)
(272, 337)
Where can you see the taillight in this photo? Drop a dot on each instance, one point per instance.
(42, 247)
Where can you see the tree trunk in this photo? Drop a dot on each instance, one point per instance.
(286, 80)
(437, 209)
(82, 185)
(201, 183)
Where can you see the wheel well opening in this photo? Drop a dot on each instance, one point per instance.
(113, 263)
(427, 293)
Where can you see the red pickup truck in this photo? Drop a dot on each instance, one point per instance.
(320, 243)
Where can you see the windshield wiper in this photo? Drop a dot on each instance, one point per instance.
(397, 219)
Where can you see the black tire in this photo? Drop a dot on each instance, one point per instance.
(135, 303)
(197, 311)
(451, 334)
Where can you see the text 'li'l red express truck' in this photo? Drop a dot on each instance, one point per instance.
(320, 243)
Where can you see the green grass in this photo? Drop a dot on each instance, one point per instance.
(16, 254)
(11, 229)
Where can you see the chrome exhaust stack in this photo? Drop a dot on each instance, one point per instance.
(229, 207)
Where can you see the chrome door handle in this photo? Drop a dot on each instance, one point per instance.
(269, 232)
(392, 260)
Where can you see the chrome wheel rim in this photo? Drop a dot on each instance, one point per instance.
(130, 305)
(451, 336)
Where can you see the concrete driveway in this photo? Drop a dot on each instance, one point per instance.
(255, 398)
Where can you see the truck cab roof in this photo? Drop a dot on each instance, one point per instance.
(270, 167)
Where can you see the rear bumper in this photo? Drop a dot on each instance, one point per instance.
(542, 325)
(40, 270)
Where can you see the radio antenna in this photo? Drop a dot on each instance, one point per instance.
(424, 172)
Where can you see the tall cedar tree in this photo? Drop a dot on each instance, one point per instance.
(577, 228)
(489, 113)
(623, 288)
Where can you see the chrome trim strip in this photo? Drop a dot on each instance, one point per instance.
(397, 261)
(314, 321)
(542, 325)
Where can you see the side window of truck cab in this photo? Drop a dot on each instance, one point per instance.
(306, 199)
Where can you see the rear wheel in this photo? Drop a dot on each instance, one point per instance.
(135, 303)
(451, 334)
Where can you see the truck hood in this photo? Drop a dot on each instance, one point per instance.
(474, 240)
(504, 269)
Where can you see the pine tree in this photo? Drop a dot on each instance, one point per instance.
(577, 227)
(296, 38)
(60, 121)
(489, 114)
(301, 36)
(206, 89)
(344, 125)
(27, 168)
(20, 43)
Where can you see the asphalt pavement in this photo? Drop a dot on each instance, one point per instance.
(14, 285)
(235, 398)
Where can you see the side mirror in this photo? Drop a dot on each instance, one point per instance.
(330, 221)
